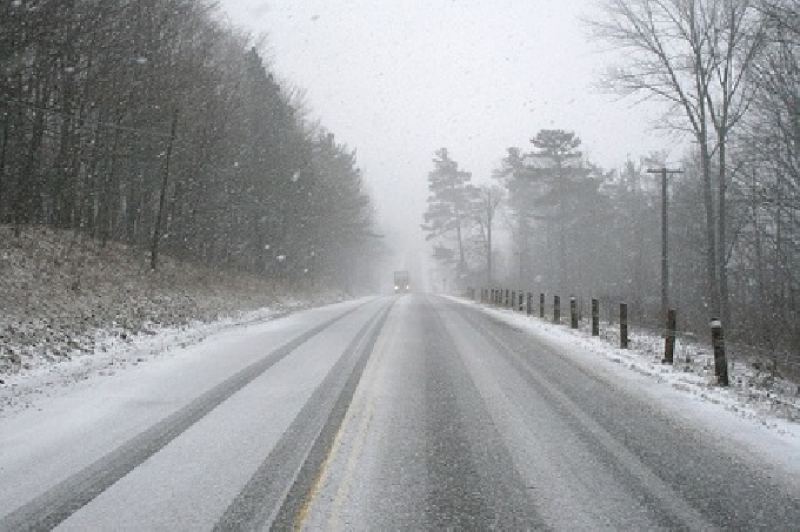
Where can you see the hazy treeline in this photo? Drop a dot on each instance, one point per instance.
(89, 93)
(729, 69)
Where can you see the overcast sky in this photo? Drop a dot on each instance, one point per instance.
(398, 79)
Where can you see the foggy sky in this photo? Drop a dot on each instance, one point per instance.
(396, 80)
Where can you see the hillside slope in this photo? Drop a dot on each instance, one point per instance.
(62, 295)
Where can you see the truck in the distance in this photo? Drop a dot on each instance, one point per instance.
(402, 282)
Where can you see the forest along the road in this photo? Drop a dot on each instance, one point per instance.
(410, 412)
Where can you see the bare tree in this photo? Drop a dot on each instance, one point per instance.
(695, 55)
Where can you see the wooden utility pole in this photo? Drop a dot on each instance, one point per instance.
(664, 242)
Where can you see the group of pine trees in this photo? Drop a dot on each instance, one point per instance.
(729, 69)
(155, 123)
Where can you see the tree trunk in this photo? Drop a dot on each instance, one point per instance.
(763, 323)
(162, 194)
(721, 231)
(711, 246)
(489, 216)
(27, 202)
(3, 151)
(109, 194)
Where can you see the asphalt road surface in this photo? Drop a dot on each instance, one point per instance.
(410, 412)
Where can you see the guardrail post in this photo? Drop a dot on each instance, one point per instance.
(513, 301)
(669, 340)
(529, 305)
(556, 309)
(718, 341)
(623, 325)
(505, 301)
(521, 305)
(595, 317)
(541, 305)
(573, 312)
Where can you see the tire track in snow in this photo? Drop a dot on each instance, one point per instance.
(67, 497)
(278, 491)
(677, 509)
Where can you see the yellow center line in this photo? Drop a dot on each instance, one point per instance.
(334, 521)
(323, 475)
(376, 375)
(320, 479)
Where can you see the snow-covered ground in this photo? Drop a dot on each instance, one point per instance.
(63, 294)
(73, 423)
(72, 308)
(763, 420)
(115, 353)
(747, 416)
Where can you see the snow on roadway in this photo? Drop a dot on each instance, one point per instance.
(745, 422)
(114, 353)
(746, 419)
(59, 432)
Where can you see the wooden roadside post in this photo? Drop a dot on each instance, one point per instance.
(623, 325)
(521, 305)
(718, 341)
(529, 308)
(595, 317)
(573, 312)
(669, 340)
(556, 309)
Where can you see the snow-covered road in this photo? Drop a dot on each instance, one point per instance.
(411, 412)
